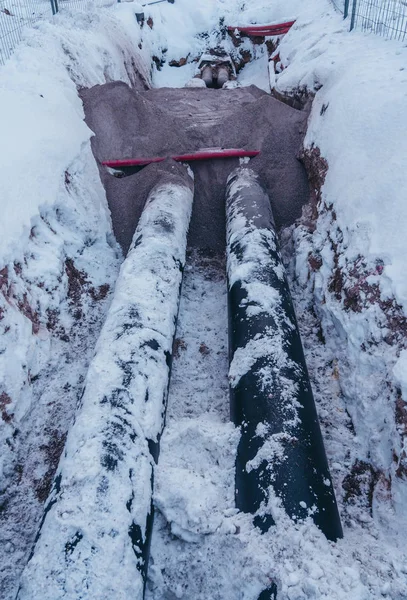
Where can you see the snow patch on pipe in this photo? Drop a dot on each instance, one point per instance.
(272, 449)
(270, 344)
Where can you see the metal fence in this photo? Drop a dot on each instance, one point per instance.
(387, 18)
(16, 15)
(340, 5)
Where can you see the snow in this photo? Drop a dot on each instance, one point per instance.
(177, 27)
(174, 76)
(358, 122)
(400, 372)
(199, 443)
(52, 123)
(194, 480)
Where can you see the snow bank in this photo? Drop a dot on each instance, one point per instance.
(95, 533)
(254, 73)
(350, 248)
(48, 166)
(357, 121)
(178, 28)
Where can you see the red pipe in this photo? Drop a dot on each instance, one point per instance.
(269, 30)
(278, 27)
(262, 27)
(193, 156)
(266, 33)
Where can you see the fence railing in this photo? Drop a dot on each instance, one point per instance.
(387, 18)
(16, 15)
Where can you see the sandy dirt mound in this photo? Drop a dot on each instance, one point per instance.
(129, 124)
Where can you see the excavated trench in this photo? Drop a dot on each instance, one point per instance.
(159, 122)
(202, 546)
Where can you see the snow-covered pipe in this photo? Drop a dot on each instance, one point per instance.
(94, 539)
(223, 76)
(281, 456)
(207, 76)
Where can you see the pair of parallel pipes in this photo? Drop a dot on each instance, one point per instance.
(95, 536)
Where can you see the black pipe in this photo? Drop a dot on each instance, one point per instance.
(223, 76)
(269, 594)
(207, 76)
(281, 446)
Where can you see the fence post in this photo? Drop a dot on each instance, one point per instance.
(54, 6)
(353, 19)
(346, 9)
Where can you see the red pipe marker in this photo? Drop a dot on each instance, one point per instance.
(277, 28)
(190, 157)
